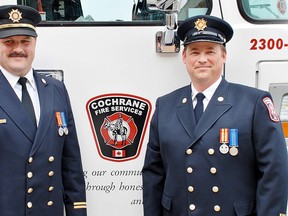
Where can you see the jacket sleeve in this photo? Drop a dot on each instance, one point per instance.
(271, 154)
(72, 171)
(153, 172)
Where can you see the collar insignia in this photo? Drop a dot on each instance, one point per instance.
(15, 15)
(200, 24)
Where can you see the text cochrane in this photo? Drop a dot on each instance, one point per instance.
(118, 105)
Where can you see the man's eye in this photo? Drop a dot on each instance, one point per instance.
(8, 42)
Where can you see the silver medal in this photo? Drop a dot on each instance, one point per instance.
(224, 149)
(233, 151)
(66, 131)
(60, 131)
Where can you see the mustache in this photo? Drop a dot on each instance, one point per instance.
(15, 54)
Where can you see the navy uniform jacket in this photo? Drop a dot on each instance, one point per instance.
(40, 170)
(185, 173)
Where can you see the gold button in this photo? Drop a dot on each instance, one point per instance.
(30, 160)
(29, 204)
(29, 174)
(211, 151)
(51, 173)
(215, 189)
(30, 190)
(51, 159)
(51, 188)
(192, 207)
(190, 189)
(189, 170)
(213, 170)
(50, 203)
(217, 208)
(189, 151)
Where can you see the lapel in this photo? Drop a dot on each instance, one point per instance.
(185, 110)
(13, 107)
(46, 99)
(216, 108)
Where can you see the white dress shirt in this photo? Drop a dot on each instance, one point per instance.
(208, 93)
(31, 87)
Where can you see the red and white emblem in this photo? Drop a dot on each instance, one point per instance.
(118, 123)
(271, 109)
(118, 130)
(281, 5)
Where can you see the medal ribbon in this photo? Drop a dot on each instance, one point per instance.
(233, 138)
(64, 122)
(59, 119)
(224, 135)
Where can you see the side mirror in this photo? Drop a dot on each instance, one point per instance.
(167, 41)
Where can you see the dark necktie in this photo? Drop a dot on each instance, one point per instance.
(199, 106)
(26, 100)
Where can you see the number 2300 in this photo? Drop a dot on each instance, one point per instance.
(270, 44)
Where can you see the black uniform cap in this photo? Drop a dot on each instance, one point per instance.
(204, 28)
(18, 20)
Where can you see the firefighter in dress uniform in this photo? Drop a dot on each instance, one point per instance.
(233, 160)
(41, 169)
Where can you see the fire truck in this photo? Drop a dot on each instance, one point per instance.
(117, 57)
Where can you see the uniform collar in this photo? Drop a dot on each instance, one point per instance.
(207, 92)
(13, 79)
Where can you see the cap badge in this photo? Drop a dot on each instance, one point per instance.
(15, 15)
(200, 24)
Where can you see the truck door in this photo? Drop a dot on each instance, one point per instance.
(272, 77)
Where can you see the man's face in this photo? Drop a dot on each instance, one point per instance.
(204, 63)
(17, 54)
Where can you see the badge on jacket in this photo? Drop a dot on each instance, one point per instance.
(271, 109)
(229, 141)
(62, 123)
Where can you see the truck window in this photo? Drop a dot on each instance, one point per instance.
(112, 10)
(265, 11)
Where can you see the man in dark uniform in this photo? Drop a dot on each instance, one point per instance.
(232, 159)
(41, 168)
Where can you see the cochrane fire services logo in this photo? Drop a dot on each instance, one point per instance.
(118, 123)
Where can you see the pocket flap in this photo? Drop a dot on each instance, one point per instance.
(245, 208)
(166, 202)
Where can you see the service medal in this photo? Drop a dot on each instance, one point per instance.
(233, 151)
(61, 131)
(66, 131)
(233, 144)
(224, 139)
(65, 128)
(224, 149)
(59, 123)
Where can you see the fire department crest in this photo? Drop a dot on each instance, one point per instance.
(200, 24)
(15, 15)
(118, 123)
(281, 5)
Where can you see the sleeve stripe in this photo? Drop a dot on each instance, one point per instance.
(79, 205)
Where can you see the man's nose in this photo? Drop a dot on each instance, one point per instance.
(202, 58)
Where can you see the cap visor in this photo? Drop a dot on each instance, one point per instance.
(203, 38)
(4, 33)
